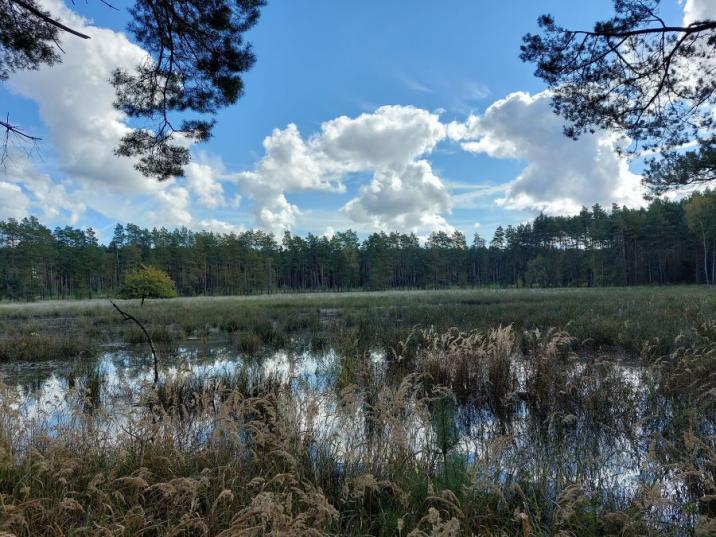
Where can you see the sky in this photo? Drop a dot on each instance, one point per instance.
(373, 115)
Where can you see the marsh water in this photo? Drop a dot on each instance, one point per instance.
(606, 454)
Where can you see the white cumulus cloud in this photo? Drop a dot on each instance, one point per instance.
(13, 201)
(219, 226)
(390, 136)
(699, 10)
(175, 207)
(561, 175)
(387, 143)
(50, 197)
(410, 197)
(203, 183)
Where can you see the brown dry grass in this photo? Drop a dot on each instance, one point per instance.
(272, 461)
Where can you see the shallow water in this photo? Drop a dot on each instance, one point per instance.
(50, 389)
(609, 459)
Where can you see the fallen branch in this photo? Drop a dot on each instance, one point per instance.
(128, 317)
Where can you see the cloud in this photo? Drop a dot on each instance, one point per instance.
(13, 201)
(386, 143)
(272, 210)
(561, 175)
(175, 207)
(461, 130)
(413, 84)
(289, 163)
(390, 136)
(202, 181)
(411, 197)
(699, 10)
(219, 226)
(50, 197)
(473, 196)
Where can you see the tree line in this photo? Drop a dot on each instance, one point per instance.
(668, 242)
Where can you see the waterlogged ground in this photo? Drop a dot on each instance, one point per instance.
(488, 412)
(606, 454)
(53, 390)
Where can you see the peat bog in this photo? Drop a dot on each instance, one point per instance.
(426, 413)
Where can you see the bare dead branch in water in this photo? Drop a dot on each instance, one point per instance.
(128, 317)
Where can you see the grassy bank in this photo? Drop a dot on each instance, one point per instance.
(628, 319)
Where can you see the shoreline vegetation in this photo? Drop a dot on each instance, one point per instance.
(615, 319)
(571, 412)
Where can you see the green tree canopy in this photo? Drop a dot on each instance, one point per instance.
(700, 214)
(148, 282)
(197, 56)
(602, 246)
(639, 75)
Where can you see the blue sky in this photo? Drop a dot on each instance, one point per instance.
(411, 116)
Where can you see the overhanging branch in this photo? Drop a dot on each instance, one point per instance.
(13, 129)
(691, 29)
(49, 20)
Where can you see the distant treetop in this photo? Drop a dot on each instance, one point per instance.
(148, 282)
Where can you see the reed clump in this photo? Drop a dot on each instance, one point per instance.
(477, 366)
(455, 433)
(35, 346)
(689, 372)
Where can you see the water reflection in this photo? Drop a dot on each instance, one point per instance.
(606, 454)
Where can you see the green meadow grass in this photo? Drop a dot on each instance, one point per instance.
(613, 319)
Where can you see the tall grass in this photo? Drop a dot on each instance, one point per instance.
(30, 346)
(598, 319)
(496, 432)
